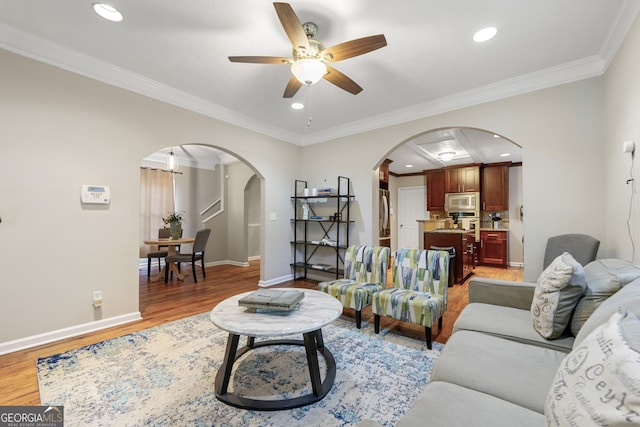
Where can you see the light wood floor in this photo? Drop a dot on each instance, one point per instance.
(160, 303)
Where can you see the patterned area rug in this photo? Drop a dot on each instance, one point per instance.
(164, 376)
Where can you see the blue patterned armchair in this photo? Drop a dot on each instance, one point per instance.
(365, 273)
(419, 292)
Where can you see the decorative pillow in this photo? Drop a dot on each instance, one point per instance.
(604, 278)
(628, 297)
(598, 383)
(557, 292)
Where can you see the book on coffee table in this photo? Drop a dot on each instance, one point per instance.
(272, 299)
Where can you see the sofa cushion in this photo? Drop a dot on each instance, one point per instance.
(557, 292)
(604, 278)
(628, 297)
(443, 404)
(507, 322)
(599, 382)
(518, 373)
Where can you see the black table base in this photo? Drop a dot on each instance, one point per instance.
(313, 343)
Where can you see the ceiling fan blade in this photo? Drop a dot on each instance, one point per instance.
(292, 25)
(353, 48)
(262, 59)
(342, 81)
(292, 87)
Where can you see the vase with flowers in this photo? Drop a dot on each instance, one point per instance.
(174, 221)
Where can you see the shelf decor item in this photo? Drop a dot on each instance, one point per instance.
(174, 221)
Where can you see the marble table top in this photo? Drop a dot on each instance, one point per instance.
(314, 311)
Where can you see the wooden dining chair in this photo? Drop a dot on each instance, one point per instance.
(199, 246)
(163, 233)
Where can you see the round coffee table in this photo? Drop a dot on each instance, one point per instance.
(314, 311)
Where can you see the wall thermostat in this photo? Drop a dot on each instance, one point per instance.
(96, 194)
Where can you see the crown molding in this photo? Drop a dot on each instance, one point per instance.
(42, 50)
(620, 28)
(566, 73)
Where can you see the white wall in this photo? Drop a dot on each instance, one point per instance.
(516, 226)
(622, 103)
(551, 125)
(59, 131)
(254, 218)
(237, 239)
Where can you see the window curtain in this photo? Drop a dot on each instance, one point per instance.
(156, 201)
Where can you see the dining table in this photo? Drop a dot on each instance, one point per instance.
(171, 245)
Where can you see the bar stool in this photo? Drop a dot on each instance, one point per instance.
(452, 262)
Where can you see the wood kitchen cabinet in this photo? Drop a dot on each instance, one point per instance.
(383, 172)
(495, 187)
(493, 248)
(435, 190)
(462, 179)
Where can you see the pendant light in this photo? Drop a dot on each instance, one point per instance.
(172, 161)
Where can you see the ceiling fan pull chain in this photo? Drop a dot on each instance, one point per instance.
(309, 105)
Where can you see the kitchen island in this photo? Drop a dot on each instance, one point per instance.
(464, 243)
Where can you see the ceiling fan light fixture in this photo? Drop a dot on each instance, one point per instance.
(308, 71)
(297, 105)
(446, 155)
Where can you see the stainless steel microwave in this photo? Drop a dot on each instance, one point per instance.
(467, 204)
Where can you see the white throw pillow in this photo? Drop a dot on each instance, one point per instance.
(598, 383)
(557, 293)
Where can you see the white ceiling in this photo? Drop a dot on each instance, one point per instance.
(177, 51)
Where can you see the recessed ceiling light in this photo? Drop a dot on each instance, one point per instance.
(505, 155)
(107, 12)
(485, 34)
(297, 105)
(408, 166)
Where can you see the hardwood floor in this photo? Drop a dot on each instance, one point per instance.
(160, 303)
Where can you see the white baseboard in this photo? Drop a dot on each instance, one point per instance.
(143, 263)
(227, 262)
(47, 337)
(273, 282)
(516, 264)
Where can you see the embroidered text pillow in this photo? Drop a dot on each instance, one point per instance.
(557, 292)
(598, 383)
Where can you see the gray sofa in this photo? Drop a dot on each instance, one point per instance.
(496, 369)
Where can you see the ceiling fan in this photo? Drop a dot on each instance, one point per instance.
(310, 57)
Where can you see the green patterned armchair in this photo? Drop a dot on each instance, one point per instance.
(419, 292)
(365, 273)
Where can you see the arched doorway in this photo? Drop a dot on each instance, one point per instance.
(430, 150)
(218, 190)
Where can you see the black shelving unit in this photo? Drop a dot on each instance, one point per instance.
(329, 219)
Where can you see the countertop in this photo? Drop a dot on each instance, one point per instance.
(451, 231)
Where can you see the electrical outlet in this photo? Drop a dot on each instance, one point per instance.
(97, 298)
